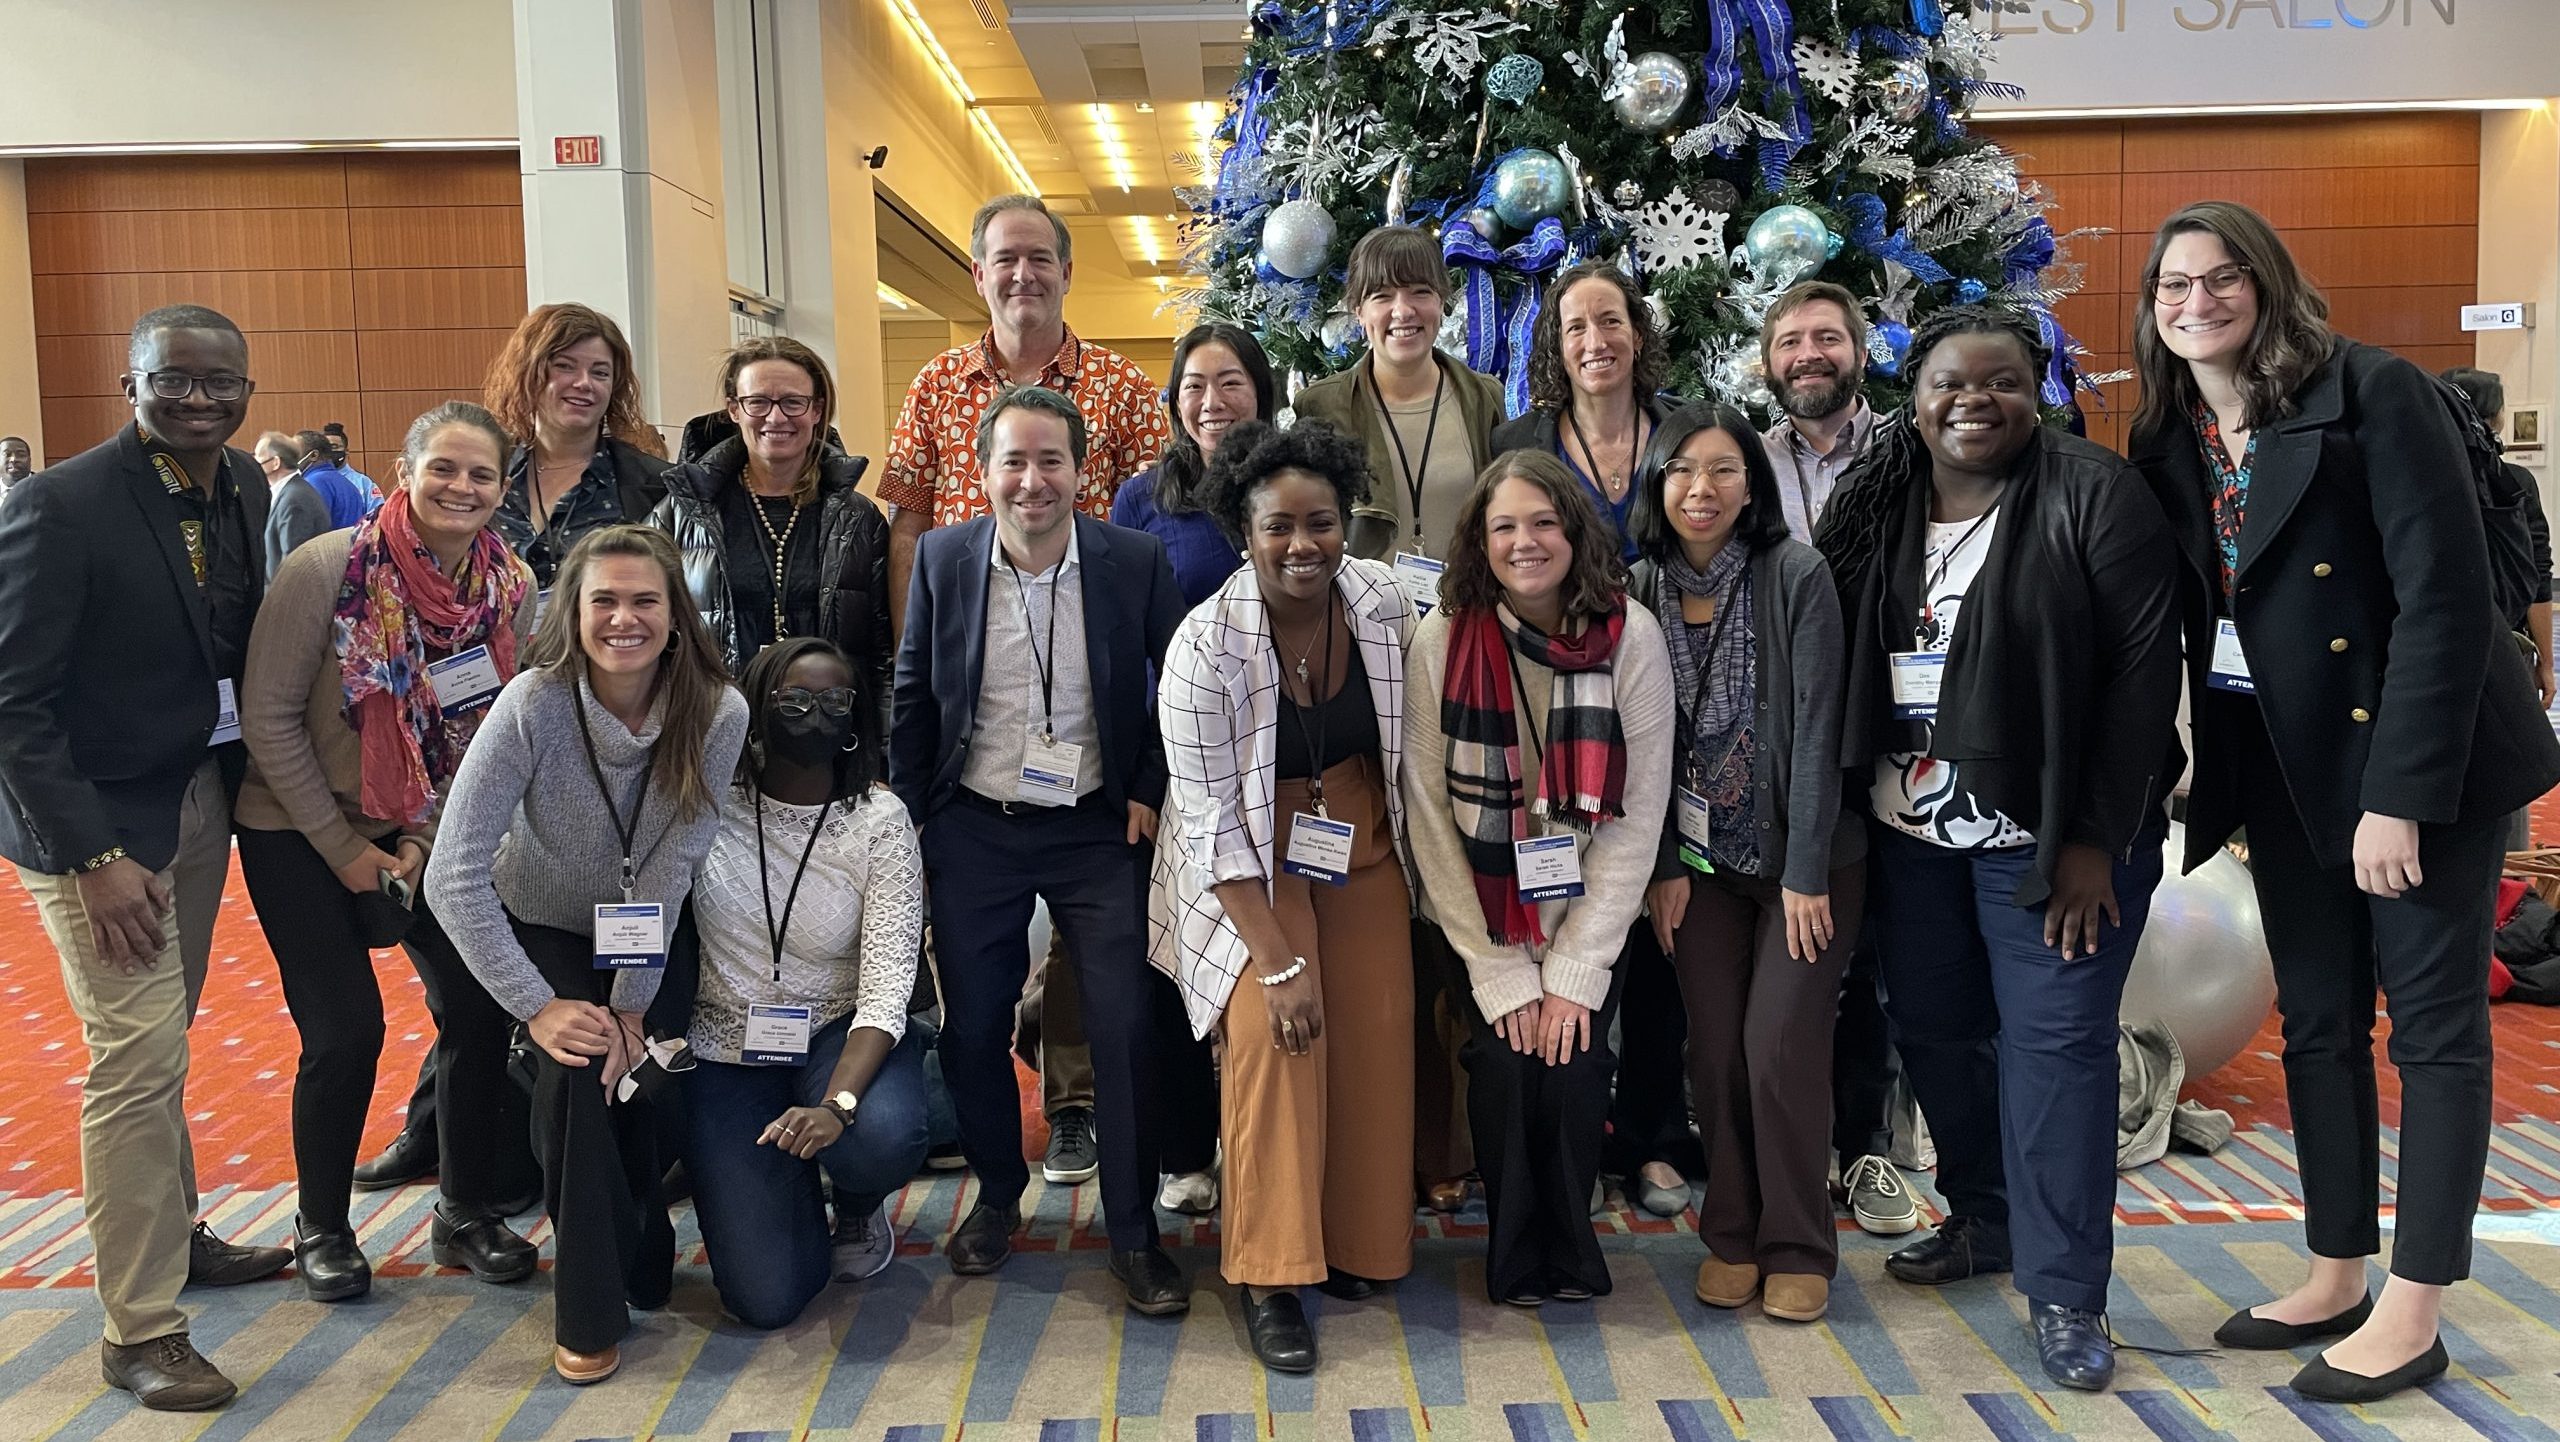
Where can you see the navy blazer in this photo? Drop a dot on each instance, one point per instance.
(109, 654)
(1131, 608)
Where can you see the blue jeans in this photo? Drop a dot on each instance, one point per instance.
(2010, 1049)
(762, 1220)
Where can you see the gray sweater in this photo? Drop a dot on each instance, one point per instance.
(524, 833)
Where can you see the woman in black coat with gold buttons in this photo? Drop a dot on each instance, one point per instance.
(2361, 712)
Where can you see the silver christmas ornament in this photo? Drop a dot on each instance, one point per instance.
(1399, 187)
(1627, 194)
(1656, 90)
(1484, 223)
(1788, 242)
(1904, 91)
(1338, 331)
(1528, 187)
(1514, 78)
(1296, 238)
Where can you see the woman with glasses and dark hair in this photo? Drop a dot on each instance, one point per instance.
(1221, 379)
(586, 457)
(1596, 364)
(1758, 889)
(2362, 713)
(809, 909)
(777, 538)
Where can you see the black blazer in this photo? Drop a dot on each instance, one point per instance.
(109, 654)
(2386, 681)
(1131, 607)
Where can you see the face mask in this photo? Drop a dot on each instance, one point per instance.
(810, 740)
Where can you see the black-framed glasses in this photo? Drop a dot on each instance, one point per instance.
(796, 700)
(174, 385)
(760, 407)
(2222, 283)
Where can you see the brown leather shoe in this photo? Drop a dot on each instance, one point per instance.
(1445, 1195)
(1727, 1284)
(165, 1374)
(579, 1369)
(1795, 1296)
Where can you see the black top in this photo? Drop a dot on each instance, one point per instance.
(619, 486)
(750, 547)
(1346, 723)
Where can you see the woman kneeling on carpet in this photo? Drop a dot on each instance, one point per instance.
(374, 661)
(1282, 862)
(595, 768)
(1539, 713)
(809, 908)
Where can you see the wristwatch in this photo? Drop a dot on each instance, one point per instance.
(842, 1104)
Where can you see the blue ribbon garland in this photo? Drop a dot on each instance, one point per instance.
(1772, 30)
(1928, 18)
(1866, 226)
(2034, 251)
(1721, 65)
(2057, 385)
(1499, 330)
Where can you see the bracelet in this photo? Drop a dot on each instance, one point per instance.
(1277, 977)
(108, 857)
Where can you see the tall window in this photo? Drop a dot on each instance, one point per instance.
(750, 156)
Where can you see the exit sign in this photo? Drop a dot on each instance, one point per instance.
(2498, 315)
(577, 150)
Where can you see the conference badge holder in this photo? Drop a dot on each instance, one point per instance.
(1419, 575)
(1049, 769)
(1916, 675)
(1694, 845)
(226, 713)
(1549, 868)
(465, 680)
(776, 1035)
(2230, 664)
(1319, 849)
(631, 936)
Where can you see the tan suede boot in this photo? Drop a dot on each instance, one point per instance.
(1795, 1296)
(1727, 1284)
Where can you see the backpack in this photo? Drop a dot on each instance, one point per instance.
(2515, 582)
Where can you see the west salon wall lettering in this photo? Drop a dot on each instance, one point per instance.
(2121, 17)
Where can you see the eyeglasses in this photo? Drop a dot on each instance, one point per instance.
(759, 407)
(1677, 470)
(796, 701)
(174, 385)
(2222, 283)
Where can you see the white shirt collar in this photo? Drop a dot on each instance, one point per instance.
(996, 560)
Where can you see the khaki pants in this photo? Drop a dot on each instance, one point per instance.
(137, 1167)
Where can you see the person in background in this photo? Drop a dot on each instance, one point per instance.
(17, 462)
(1022, 261)
(776, 538)
(585, 455)
(2010, 593)
(295, 511)
(1761, 880)
(2488, 396)
(1539, 712)
(346, 507)
(599, 767)
(1025, 746)
(374, 660)
(335, 435)
(1283, 861)
(810, 908)
(129, 577)
(2363, 714)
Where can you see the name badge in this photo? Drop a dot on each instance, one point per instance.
(1419, 575)
(1692, 811)
(1049, 770)
(1319, 849)
(631, 934)
(464, 680)
(541, 603)
(1916, 675)
(776, 1035)
(226, 712)
(1549, 867)
(2230, 664)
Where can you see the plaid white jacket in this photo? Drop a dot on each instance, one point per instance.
(1217, 704)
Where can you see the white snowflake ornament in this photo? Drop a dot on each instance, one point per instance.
(1676, 232)
(1831, 72)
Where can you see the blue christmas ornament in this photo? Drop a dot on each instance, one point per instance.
(1528, 187)
(1888, 346)
(1970, 291)
(1514, 78)
(1831, 246)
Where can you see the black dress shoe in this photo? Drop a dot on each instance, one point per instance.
(2073, 1345)
(1345, 1286)
(213, 1262)
(2323, 1383)
(1155, 1285)
(1961, 1247)
(409, 1157)
(983, 1239)
(333, 1267)
(165, 1374)
(2249, 1333)
(1278, 1327)
(486, 1246)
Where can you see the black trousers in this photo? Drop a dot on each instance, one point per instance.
(511, 1141)
(336, 1002)
(613, 1246)
(1537, 1135)
(2429, 952)
(1649, 1111)
(1863, 1062)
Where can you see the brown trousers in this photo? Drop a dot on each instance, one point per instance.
(1317, 1145)
(1760, 1025)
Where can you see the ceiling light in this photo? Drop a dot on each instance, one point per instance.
(960, 87)
(890, 296)
(249, 147)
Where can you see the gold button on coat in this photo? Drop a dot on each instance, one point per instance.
(2320, 570)
(2339, 644)
(2361, 715)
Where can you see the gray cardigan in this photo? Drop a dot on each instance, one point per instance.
(1797, 778)
(524, 832)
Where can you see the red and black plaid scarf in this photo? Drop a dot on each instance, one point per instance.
(1582, 770)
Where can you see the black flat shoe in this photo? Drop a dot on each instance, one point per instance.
(332, 1266)
(485, 1246)
(1345, 1286)
(2248, 1333)
(410, 1156)
(1278, 1328)
(983, 1239)
(1961, 1247)
(2073, 1345)
(1155, 1285)
(2323, 1383)
(213, 1262)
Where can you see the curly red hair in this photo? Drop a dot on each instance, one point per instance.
(517, 376)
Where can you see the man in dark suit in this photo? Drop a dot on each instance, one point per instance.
(1025, 746)
(129, 576)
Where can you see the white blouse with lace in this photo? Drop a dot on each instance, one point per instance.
(852, 942)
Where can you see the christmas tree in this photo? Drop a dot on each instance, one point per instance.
(1719, 150)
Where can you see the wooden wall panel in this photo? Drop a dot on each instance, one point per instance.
(254, 299)
(2302, 142)
(485, 298)
(454, 361)
(97, 241)
(434, 180)
(92, 365)
(460, 235)
(231, 182)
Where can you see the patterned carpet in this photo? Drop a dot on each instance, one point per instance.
(1044, 1350)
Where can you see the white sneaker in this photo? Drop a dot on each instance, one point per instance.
(1194, 1194)
(864, 1245)
(1880, 1201)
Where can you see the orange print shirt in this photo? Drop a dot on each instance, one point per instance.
(933, 452)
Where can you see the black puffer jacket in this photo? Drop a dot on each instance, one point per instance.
(853, 538)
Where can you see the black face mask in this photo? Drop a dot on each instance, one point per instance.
(809, 740)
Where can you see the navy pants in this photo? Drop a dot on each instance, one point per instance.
(762, 1220)
(987, 868)
(2010, 1049)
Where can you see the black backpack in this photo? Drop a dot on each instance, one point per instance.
(2515, 582)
